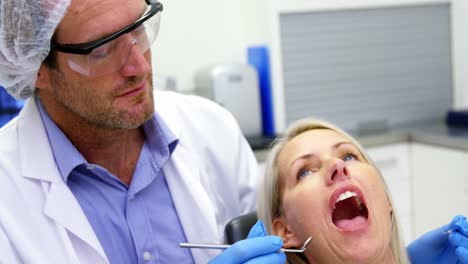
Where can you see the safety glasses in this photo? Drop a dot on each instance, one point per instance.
(110, 53)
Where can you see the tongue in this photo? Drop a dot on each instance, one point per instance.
(351, 223)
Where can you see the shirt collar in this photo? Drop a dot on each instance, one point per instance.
(158, 137)
(66, 156)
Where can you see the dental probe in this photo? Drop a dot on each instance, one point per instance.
(215, 246)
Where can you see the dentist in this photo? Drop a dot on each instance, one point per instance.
(100, 168)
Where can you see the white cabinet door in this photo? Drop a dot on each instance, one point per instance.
(440, 178)
(393, 162)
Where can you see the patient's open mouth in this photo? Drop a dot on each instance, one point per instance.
(349, 211)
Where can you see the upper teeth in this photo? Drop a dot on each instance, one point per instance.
(345, 196)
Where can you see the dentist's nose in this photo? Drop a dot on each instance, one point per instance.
(136, 63)
(337, 172)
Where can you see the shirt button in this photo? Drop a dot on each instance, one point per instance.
(146, 256)
(90, 167)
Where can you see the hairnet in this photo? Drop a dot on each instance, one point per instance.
(26, 28)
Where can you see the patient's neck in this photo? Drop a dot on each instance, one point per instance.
(386, 258)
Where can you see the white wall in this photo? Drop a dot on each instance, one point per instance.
(201, 33)
(460, 51)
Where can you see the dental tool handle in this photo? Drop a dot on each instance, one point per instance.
(212, 246)
(206, 246)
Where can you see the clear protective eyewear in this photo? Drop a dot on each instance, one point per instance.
(110, 53)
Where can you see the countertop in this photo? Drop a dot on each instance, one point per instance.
(431, 132)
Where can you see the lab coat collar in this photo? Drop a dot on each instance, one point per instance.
(37, 163)
(192, 202)
(168, 112)
(36, 156)
(184, 176)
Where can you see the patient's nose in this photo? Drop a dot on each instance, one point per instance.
(338, 171)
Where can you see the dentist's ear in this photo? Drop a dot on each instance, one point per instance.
(43, 78)
(282, 229)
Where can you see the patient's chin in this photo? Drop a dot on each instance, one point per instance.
(346, 245)
(366, 249)
(361, 255)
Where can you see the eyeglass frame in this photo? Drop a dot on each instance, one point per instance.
(87, 47)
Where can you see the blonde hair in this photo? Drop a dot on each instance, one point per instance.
(270, 195)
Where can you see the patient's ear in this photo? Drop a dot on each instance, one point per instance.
(43, 80)
(390, 207)
(282, 229)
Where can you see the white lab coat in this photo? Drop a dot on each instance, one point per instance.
(212, 177)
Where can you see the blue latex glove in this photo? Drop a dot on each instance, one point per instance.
(437, 246)
(459, 240)
(258, 248)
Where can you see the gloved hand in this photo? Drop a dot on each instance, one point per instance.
(256, 249)
(437, 246)
(459, 240)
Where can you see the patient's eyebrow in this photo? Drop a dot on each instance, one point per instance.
(338, 144)
(301, 158)
(312, 155)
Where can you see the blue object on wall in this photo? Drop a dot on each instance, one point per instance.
(258, 57)
(9, 106)
(457, 118)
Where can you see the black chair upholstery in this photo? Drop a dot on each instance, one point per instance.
(239, 227)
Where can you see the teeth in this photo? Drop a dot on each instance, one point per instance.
(347, 195)
(359, 202)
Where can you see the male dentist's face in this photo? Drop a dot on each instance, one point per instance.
(122, 99)
(330, 192)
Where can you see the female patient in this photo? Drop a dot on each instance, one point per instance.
(321, 183)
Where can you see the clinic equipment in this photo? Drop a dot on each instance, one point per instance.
(235, 87)
(9, 107)
(312, 71)
(213, 246)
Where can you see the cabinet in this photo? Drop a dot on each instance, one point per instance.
(440, 185)
(428, 184)
(393, 162)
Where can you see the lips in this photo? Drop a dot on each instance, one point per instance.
(348, 208)
(133, 90)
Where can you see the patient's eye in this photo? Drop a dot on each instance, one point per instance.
(350, 157)
(304, 173)
(306, 166)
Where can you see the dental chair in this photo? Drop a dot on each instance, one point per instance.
(239, 227)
